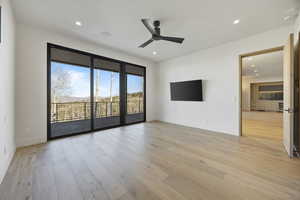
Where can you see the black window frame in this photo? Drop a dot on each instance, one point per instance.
(123, 89)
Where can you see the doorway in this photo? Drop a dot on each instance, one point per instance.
(259, 98)
(262, 95)
(87, 92)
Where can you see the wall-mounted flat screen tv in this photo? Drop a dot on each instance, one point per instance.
(186, 91)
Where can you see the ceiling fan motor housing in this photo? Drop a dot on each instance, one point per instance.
(155, 32)
(156, 25)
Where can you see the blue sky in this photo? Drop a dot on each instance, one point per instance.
(80, 80)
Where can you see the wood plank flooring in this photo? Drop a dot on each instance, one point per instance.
(268, 125)
(153, 161)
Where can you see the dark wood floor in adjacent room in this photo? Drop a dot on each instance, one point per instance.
(156, 161)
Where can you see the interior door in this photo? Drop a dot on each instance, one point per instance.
(288, 90)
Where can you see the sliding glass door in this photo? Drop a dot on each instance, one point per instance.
(106, 94)
(134, 94)
(70, 94)
(87, 92)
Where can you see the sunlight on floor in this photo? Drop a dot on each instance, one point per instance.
(266, 125)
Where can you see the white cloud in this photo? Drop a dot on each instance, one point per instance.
(75, 77)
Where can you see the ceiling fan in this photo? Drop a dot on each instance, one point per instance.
(156, 34)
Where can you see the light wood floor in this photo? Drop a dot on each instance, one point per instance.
(153, 161)
(268, 125)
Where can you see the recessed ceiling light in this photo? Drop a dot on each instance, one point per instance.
(78, 23)
(154, 52)
(236, 21)
(256, 71)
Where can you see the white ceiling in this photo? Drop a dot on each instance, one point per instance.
(203, 23)
(264, 65)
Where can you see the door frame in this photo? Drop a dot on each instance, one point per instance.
(241, 56)
(122, 88)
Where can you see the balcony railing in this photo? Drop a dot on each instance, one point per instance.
(71, 111)
(135, 106)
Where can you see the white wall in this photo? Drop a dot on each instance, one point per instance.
(7, 65)
(31, 77)
(218, 67)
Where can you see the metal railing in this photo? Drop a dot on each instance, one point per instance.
(107, 109)
(71, 111)
(135, 106)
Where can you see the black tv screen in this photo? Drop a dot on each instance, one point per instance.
(186, 91)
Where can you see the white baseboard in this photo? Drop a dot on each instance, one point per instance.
(23, 142)
(7, 164)
(204, 129)
(20, 143)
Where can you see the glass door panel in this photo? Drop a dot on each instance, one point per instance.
(106, 94)
(134, 98)
(70, 99)
(135, 94)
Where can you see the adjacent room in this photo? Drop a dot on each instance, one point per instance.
(262, 95)
(149, 100)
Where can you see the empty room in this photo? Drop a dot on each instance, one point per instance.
(149, 100)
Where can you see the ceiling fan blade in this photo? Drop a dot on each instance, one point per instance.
(172, 39)
(148, 26)
(146, 43)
